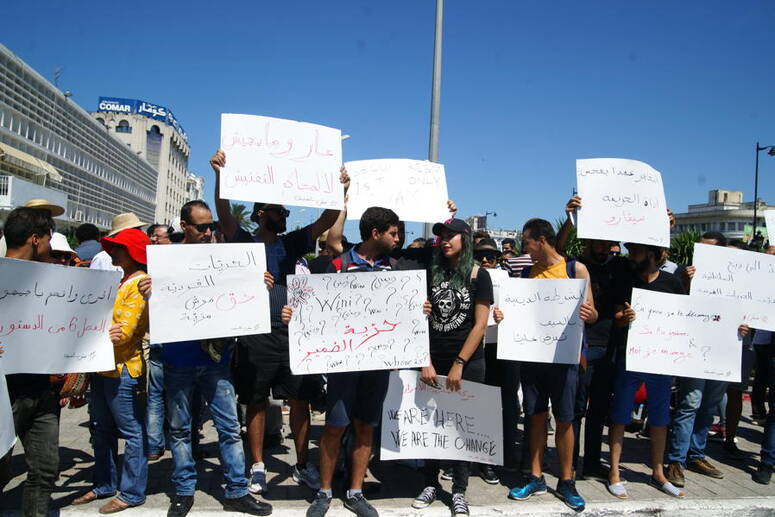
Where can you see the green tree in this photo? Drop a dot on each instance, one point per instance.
(242, 216)
(682, 246)
(573, 248)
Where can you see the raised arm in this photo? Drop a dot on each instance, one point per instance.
(564, 234)
(328, 218)
(222, 206)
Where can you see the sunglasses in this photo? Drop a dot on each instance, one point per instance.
(203, 227)
(282, 212)
(489, 255)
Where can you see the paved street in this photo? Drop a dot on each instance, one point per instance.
(391, 486)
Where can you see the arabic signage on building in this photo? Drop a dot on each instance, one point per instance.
(140, 107)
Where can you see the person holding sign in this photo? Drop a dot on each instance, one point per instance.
(460, 296)
(115, 408)
(262, 363)
(34, 403)
(544, 381)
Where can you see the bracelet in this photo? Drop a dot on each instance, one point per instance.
(459, 360)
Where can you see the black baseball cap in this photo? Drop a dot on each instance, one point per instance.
(453, 225)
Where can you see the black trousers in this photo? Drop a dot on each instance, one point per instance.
(505, 375)
(593, 401)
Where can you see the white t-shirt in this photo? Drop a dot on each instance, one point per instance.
(102, 261)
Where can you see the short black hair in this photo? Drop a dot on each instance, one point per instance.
(509, 240)
(185, 211)
(377, 218)
(152, 228)
(739, 244)
(480, 234)
(87, 232)
(23, 222)
(719, 237)
(540, 228)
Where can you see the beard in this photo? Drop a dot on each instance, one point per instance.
(275, 226)
(644, 266)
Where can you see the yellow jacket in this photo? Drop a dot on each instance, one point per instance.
(131, 311)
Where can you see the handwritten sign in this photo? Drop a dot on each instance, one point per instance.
(414, 189)
(686, 336)
(423, 422)
(622, 201)
(541, 320)
(357, 321)
(769, 218)
(55, 319)
(498, 277)
(7, 431)
(746, 277)
(204, 291)
(273, 160)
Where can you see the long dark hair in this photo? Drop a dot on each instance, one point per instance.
(460, 276)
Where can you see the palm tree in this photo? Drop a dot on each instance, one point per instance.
(242, 216)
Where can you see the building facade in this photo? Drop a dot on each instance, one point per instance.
(195, 187)
(154, 134)
(48, 140)
(725, 212)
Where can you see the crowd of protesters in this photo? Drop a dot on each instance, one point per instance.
(157, 396)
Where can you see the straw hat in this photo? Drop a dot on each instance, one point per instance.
(124, 222)
(59, 243)
(45, 204)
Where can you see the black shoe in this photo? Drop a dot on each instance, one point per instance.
(360, 506)
(319, 506)
(247, 504)
(446, 474)
(487, 473)
(180, 506)
(733, 451)
(763, 475)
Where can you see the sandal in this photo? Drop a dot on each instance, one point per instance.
(668, 488)
(617, 490)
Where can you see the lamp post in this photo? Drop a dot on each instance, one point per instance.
(770, 151)
(433, 144)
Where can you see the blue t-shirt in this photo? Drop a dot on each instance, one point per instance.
(188, 354)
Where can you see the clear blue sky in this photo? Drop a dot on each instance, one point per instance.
(528, 87)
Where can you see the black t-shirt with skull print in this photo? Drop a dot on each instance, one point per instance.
(453, 315)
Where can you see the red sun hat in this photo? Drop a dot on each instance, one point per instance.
(133, 240)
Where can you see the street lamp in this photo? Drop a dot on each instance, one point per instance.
(771, 152)
(433, 143)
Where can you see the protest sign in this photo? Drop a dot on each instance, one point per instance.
(622, 201)
(498, 276)
(55, 319)
(414, 189)
(541, 320)
(423, 422)
(205, 291)
(272, 160)
(7, 431)
(685, 336)
(745, 277)
(357, 321)
(769, 221)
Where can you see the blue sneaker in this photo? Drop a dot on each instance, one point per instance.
(534, 486)
(566, 490)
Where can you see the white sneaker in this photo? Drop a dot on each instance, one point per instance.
(257, 483)
(309, 475)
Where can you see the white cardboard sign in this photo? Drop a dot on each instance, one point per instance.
(685, 336)
(622, 201)
(541, 320)
(55, 319)
(745, 277)
(414, 189)
(498, 277)
(274, 160)
(205, 291)
(357, 321)
(423, 422)
(769, 220)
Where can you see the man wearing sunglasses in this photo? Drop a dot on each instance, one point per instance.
(262, 360)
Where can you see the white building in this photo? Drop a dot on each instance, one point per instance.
(724, 212)
(51, 148)
(154, 134)
(195, 187)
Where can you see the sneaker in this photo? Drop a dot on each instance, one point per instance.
(534, 486)
(425, 499)
(566, 490)
(675, 474)
(319, 506)
(447, 474)
(180, 506)
(763, 475)
(704, 467)
(360, 506)
(309, 475)
(717, 433)
(258, 479)
(733, 451)
(459, 505)
(487, 473)
(247, 504)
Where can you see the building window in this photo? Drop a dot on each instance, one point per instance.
(123, 127)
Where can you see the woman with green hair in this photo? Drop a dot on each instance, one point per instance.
(460, 298)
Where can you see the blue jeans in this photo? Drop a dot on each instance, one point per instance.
(768, 440)
(692, 417)
(117, 412)
(215, 385)
(156, 414)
